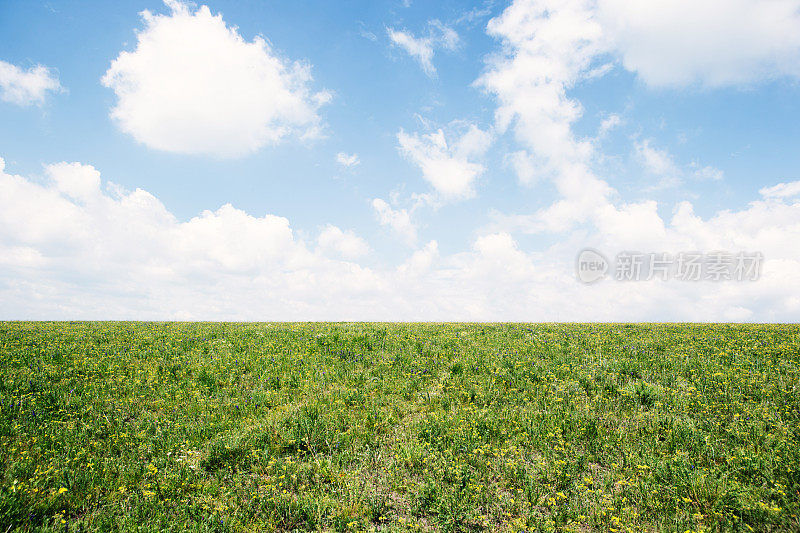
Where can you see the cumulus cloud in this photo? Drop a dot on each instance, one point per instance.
(499, 279)
(666, 43)
(782, 190)
(97, 250)
(80, 182)
(450, 167)
(547, 47)
(74, 247)
(194, 85)
(26, 87)
(347, 160)
(399, 220)
(343, 243)
(705, 42)
(764, 226)
(422, 48)
(421, 260)
(524, 166)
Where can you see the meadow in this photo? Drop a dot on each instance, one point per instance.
(114, 426)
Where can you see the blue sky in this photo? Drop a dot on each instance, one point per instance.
(464, 125)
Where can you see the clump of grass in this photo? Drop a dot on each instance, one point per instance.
(646, 394)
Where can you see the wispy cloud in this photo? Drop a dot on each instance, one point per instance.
(422, 48)
(347, 160)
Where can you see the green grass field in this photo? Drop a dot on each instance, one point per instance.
(398, 427)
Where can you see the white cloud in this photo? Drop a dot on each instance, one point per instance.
(609, 123)
(634, 226)
(21, 257)
(706, 42)
(100, 251)
(499, 254)
(80, 182)
(193, 85)
(667, 43)
(422, 48)
(764, 226)
(658, 162)
(399, 220)
(74, 248)
(344, 243)
(26, 87)
(365, 33)
(421, 261)
(443, 34)
(707, 173)
(347, 160)
(524, 166)
(234, 241)
(449, 167)
(782, 190)
(547, 47)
